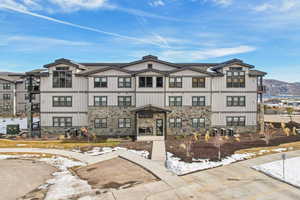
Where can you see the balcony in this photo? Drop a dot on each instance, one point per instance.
(35, 89)
(261, 89)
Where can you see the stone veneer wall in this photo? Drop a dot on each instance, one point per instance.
(186, 113)
(112, 114)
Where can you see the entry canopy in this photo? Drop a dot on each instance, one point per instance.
(150, 108)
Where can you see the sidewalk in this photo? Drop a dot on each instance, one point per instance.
(159, 152)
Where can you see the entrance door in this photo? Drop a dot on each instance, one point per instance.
(159, 127)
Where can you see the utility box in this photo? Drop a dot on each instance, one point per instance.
(12, 129)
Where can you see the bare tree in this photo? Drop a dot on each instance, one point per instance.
(269, 132)
(218, 141)
(290, 112)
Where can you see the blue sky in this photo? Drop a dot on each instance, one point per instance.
(265, 33)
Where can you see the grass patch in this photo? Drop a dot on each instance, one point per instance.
(53, 144)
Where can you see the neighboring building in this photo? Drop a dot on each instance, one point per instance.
(13, 94)
(149, 97)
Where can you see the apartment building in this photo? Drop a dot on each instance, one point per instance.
(149, 97)
(13, 94)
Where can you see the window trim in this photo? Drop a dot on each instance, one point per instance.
(62, 103)
(5, 97)
(239, 103)
(124, 101)
(125, 82)
(239, 122)
(68, 76)
(199, 123)
(100, 124)
(101, 82)
(177, 84)
(125, 122)
(240, 79)
(199, 83)
(176, 123)
(59, 122)
(146, 82)
(162, 78)
(175, 101)
(102, 104)
(6, 86)
(198, 102)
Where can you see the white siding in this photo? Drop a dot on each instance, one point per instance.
(156, 99)
(187, 85)
(78, 119)
(112, 85)
(187, 98)
(219, 102)
(155, 65)
(219, 119)
(112, 98)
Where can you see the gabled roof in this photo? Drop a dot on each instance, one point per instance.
(151, 59)
(149, 70)
(195, 70)
(150, 108)
(94, 71)
(66, 62)
(231, 62)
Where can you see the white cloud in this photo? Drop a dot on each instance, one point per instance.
(278, 6)
(205, 54)
(74, 5)
(157, 3)
(223, 2)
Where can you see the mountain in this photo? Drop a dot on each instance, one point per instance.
(281, 88)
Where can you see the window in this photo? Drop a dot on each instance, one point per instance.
(235, 121)
(6, 107)
(124, 82)
(159, 82)
(62, 101)
(101, 123)
(124, 101)
(236, 101)
(150, 66)
(100, 101)
(6, 96)
(62, 121)
(198, 101)
(198, 82)
(124, 123)
(235, 79)
(32, 96)
(62, 79)
(175, 101)
(145, 82)
(100, 82)
(175, 82)
(6, 86)
(175, 123)
(198, 122)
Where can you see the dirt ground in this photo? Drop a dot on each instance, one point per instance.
(19, 177)
(207, 150)
(116, 173)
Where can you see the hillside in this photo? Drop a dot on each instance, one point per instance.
(281, 88)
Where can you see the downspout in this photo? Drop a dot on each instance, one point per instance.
(14, 100)
(211, 96)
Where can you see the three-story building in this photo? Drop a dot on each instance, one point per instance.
(149, 97)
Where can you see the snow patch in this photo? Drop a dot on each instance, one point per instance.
(96, 151)
(180, 168)
(275, 169)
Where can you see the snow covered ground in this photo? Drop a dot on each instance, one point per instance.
(275, 169)
(181, 168)
(7, 121)
(63, 185)
(96, 151)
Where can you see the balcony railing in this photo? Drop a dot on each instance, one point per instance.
(261, 89)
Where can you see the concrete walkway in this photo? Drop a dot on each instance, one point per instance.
(159, 151)
(155, 168)
(231, 182)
